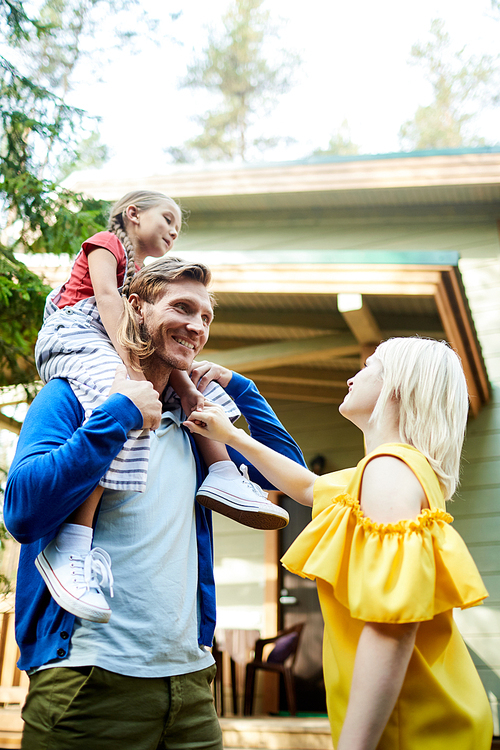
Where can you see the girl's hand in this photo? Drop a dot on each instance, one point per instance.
(202, 374)
(212, 422)
(191, 398)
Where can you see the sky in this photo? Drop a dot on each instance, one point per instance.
(354, 67)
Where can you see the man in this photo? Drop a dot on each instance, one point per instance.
(141, 681)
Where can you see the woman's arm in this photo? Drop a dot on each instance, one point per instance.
(102, 269)
(382, 658)
(390, 492)
(291, 478)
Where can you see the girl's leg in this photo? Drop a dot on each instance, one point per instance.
(84, 515)
(231, 493)
(211, 451)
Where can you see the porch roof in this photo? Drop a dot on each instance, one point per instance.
(452, 177)
(289, 326)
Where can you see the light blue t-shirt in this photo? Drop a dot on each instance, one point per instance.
(151, 537)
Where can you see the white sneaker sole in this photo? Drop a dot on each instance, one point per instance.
(272, 517)
(64, 598)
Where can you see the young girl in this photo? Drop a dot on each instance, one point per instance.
(388, 565)
(79, 342)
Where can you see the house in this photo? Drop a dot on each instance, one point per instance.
(315, 262)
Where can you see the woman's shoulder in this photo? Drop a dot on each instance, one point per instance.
(391, 491)
(399, 468)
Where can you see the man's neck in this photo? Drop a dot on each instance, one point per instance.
(158, 375)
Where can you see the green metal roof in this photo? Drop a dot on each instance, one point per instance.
(332, 158)
(377, 257)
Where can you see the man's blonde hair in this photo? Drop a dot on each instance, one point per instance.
(426, 379)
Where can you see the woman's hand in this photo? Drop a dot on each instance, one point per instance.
(288, 476)
(211, 422)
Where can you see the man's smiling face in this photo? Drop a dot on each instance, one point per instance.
(178, 323)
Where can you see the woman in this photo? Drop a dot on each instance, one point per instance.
(388, 565)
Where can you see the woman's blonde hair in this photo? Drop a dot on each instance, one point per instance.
(149, 284)
(142, 200)
(426, 379)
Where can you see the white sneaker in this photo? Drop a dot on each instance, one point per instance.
(237, 497)
(72, 580)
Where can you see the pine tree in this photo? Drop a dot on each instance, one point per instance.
(340, 144)
(238, 68)
(460, 84)
(35, 213)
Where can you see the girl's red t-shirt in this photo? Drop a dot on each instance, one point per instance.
(79, 285)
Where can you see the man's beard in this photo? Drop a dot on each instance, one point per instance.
(160, 355)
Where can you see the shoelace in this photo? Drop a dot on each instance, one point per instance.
(94, 569)
(253, 486)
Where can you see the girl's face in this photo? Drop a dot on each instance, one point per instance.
(154, 230)
(364, 390)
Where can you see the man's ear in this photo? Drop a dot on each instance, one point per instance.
(136, 303)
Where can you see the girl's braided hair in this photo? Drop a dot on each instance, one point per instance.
(142, 200)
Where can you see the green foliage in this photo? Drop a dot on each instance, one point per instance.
(42, 138)
(22, 296)
(6, 585)
(340, 143)
(36, 215)
(15, 24)
(51, 58)
(460, 85)
(90, 152)
(236, 67)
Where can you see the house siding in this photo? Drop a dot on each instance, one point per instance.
(320, 429)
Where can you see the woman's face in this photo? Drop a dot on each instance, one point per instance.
(364, 390)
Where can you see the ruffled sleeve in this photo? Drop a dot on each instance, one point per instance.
(404, 572)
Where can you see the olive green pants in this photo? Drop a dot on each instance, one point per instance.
(89, 707)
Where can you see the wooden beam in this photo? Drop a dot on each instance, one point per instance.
(7, 423)
(290, 392)
(250, 358)
(328, 320)
(328, 279)
(363, 325)
(457, 291)
(308, 378)
(14, 394)
(453, 335)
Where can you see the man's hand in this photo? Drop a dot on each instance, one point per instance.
(142, 394)
(202, 374)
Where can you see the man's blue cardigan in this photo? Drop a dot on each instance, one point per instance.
(58, 463)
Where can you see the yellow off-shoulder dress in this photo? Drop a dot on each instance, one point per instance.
(413, 571)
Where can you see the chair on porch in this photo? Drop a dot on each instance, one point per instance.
(281, 660)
